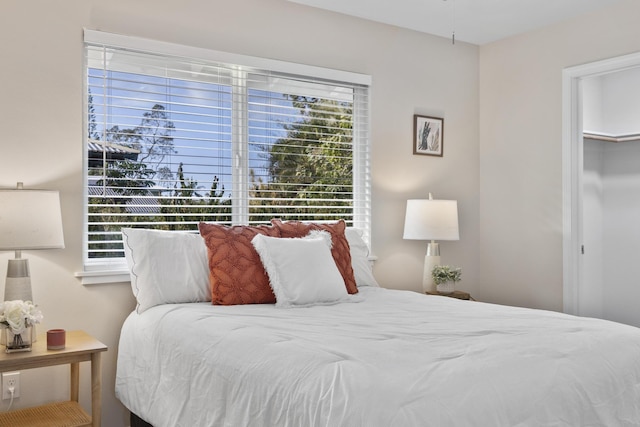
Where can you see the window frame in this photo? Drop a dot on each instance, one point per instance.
(109, 270)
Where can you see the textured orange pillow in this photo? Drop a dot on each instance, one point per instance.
(339, 249)
(236, 274)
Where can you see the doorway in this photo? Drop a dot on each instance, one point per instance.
(600, 247)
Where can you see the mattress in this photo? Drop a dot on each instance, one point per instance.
(396, 358)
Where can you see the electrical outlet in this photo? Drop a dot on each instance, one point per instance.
(10, 379)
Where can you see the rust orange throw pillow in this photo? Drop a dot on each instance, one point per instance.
(236, 274)
(339, 249)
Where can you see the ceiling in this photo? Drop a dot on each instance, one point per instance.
(474, 21)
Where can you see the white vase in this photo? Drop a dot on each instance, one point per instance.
(446, 287)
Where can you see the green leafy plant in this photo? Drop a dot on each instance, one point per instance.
(444, 273)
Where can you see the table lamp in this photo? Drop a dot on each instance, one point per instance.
(29, 219)
(431, 220)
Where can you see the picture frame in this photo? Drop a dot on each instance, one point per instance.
(428, 135)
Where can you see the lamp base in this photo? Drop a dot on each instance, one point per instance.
(430, 261)
(18, 283)
(18, 287)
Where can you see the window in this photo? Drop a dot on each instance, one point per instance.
(178, 135)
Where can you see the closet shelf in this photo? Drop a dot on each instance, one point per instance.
(611, 138)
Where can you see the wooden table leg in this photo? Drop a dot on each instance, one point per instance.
(96, 389)
(75, 381)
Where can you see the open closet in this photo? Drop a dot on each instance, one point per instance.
(610, 285)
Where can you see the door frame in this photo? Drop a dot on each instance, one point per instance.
(572, 170)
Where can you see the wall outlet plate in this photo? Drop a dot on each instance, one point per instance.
(10, 379)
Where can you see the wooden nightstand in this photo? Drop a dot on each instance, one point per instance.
(455, 294)
(80, 347)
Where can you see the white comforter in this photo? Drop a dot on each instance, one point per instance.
(396, 359)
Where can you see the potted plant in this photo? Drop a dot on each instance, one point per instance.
(445, 278)
(18, 318)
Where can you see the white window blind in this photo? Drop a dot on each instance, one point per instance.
(173, 140)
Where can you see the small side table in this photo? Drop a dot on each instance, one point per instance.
(455, 294)
(80, 347)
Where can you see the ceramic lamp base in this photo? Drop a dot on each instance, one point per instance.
(17, 288)
(430, 261)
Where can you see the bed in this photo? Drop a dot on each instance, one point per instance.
(377, 357)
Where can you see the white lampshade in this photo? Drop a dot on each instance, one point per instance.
(431, 220)
(29, 219)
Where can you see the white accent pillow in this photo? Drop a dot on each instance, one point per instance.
(166, 267)
(302, 271)
(360, 258)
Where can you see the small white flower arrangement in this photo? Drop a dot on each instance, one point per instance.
(18, 315)
(444, 273)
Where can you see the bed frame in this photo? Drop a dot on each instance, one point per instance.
(136, 421)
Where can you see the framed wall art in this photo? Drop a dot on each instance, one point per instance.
(428, 135)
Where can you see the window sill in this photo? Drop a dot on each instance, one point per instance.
(96, 277)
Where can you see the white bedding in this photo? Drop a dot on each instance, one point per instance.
(396, 359)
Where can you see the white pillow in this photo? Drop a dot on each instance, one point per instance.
(360, 258)
(302, 271)
(166, 267)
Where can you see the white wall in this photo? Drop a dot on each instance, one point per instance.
(621, 101)
(41, 94)
(521, 150)
(611, 103)
(593, 105)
